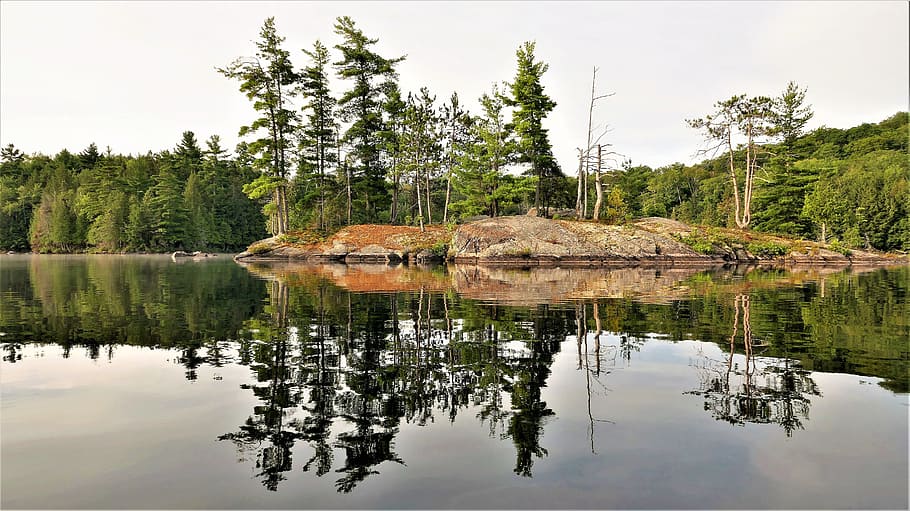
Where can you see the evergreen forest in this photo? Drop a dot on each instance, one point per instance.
(317, 159)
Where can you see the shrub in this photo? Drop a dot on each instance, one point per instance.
(766, 249)
(837, 246)
(696, 242)
(440, 249)
(259, 248)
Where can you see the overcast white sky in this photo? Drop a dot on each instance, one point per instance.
(134, 75)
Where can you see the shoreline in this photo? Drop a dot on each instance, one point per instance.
(529, 242)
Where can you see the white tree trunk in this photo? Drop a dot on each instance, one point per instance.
(598, 186)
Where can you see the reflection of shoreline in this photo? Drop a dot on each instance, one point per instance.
(547, 284)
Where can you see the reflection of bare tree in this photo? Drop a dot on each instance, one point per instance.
(584, 360)
(754, 393)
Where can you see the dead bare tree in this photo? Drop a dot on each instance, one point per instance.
(584, 155)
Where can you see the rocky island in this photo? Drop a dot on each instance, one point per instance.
(533, 241)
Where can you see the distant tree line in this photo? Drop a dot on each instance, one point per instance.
(314, 159)
(188, 198)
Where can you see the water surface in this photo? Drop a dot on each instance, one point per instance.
(137, 382)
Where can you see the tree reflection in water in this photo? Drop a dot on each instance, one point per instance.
(338, 369)
(775, 391)
(341, 371)
(604, 359)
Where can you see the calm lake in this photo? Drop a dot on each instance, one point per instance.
(138, 382)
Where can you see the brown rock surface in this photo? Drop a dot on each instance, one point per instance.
(534, 241)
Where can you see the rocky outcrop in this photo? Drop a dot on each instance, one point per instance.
(529, 240)
(373, 244)
(526, 241)
(193, 255)
(532, 241)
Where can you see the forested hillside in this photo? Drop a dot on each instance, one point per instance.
(850, 186)
(317, 159)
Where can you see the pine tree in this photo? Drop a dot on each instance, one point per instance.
(392, 138)
(456, 126)
(369, 74)
(791, 116)
(268, 80)
(421, 149)
(531, 107)
(166, 209)
(188, 155)
(89, 157)
(481, 169)
(318, 137)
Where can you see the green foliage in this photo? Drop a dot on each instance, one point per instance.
(531, 107)
(259, 248)
(440, 249)
(480, 168)
(616, 210)
(705, 241)
(268, 79)
(126, 203)
(368, 74)
(696, 242)
(839, 247)
(766, 249)
(302, 237)
(404, 158)
(821, 183)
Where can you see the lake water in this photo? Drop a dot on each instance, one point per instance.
(138, 382)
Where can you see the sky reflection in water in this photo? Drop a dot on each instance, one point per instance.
(218, 386)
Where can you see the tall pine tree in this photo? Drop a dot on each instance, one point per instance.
(368, 73)
(531, 107)
(318, 136)
(268, 80)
